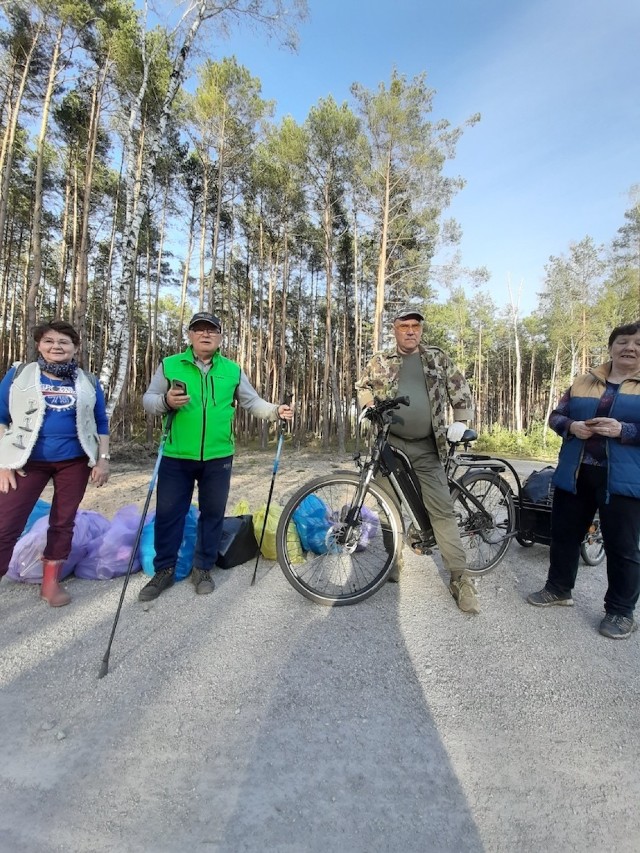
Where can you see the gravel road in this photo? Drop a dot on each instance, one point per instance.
(255, 720)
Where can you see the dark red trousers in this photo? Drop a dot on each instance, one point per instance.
(70, 479)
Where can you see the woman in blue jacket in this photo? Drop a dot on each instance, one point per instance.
(599, 469)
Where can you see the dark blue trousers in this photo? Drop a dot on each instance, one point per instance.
(176, 481)
(571, 516)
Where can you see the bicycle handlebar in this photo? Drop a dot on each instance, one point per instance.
(380, 407)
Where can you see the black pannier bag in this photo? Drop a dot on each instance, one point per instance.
(538, 488)
(238, 542)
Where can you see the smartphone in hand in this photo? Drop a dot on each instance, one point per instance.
(179, 385)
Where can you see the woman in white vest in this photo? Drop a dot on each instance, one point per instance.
(53, 426)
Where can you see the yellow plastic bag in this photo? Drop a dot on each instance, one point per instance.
(294, 546)
(268, 548)
(241, 508)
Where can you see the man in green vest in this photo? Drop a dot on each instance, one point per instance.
(202, 387)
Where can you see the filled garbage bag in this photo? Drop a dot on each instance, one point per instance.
(369, 527)
(184, 564)
(109, 555)
(268, 548)
(313, 520)
(26, 562)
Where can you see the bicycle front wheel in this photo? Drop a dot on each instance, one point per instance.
(328, 551)
(486, 535)
(592, 548)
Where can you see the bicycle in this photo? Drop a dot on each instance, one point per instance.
(346, 553)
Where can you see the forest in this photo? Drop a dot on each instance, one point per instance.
(143, 177)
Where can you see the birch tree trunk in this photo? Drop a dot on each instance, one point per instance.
(119, 345)
(552, 394)
(82, 281)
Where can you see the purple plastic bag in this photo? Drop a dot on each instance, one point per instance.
(108, 557)
(26, 562)
(370, 525)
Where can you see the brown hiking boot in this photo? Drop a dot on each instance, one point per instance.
(464, 592)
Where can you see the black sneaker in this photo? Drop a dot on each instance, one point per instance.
(544, 598)
(163, 579)
(617, 627)
(202, 580)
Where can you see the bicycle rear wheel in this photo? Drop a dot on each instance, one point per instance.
(332, 559)
(485, 536)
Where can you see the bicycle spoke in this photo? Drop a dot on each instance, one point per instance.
(484, 531)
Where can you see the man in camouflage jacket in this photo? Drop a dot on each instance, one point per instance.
(427, 376)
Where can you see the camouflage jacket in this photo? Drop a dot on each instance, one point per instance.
(446, 386)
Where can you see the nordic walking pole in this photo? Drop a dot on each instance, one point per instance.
(104, 667)
(282, 426)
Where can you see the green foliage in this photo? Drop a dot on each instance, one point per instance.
(530, 444)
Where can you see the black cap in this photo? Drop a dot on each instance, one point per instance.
(409, 314)
(205, 317)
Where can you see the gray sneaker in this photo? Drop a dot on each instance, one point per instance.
(162, 580)
(202, 580)
(544, 598)
(617, 627)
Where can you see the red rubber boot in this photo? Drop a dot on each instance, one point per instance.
(51, 590)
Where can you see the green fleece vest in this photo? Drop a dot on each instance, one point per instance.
(203, 429)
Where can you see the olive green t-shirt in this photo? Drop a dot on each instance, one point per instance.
(413, 421)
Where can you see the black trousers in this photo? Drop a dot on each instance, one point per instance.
(571, 516)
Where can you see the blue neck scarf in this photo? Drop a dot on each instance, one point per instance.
(64, 370)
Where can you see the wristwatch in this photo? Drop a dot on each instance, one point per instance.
(105, 456)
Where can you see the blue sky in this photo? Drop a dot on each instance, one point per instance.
(557, 84)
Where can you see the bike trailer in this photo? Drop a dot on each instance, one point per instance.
(533, 510)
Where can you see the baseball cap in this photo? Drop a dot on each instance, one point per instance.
(205, 317)
(408, 314)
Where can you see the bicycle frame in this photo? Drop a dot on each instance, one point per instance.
(395, 465)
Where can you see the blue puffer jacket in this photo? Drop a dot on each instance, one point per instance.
(580, 403)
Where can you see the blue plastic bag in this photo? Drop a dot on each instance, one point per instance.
(39, 511)
(312, 521)
(187, 549)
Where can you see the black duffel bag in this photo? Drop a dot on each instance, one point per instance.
(538, 488)
(238, 542)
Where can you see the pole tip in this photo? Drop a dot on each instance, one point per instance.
(104, 669)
